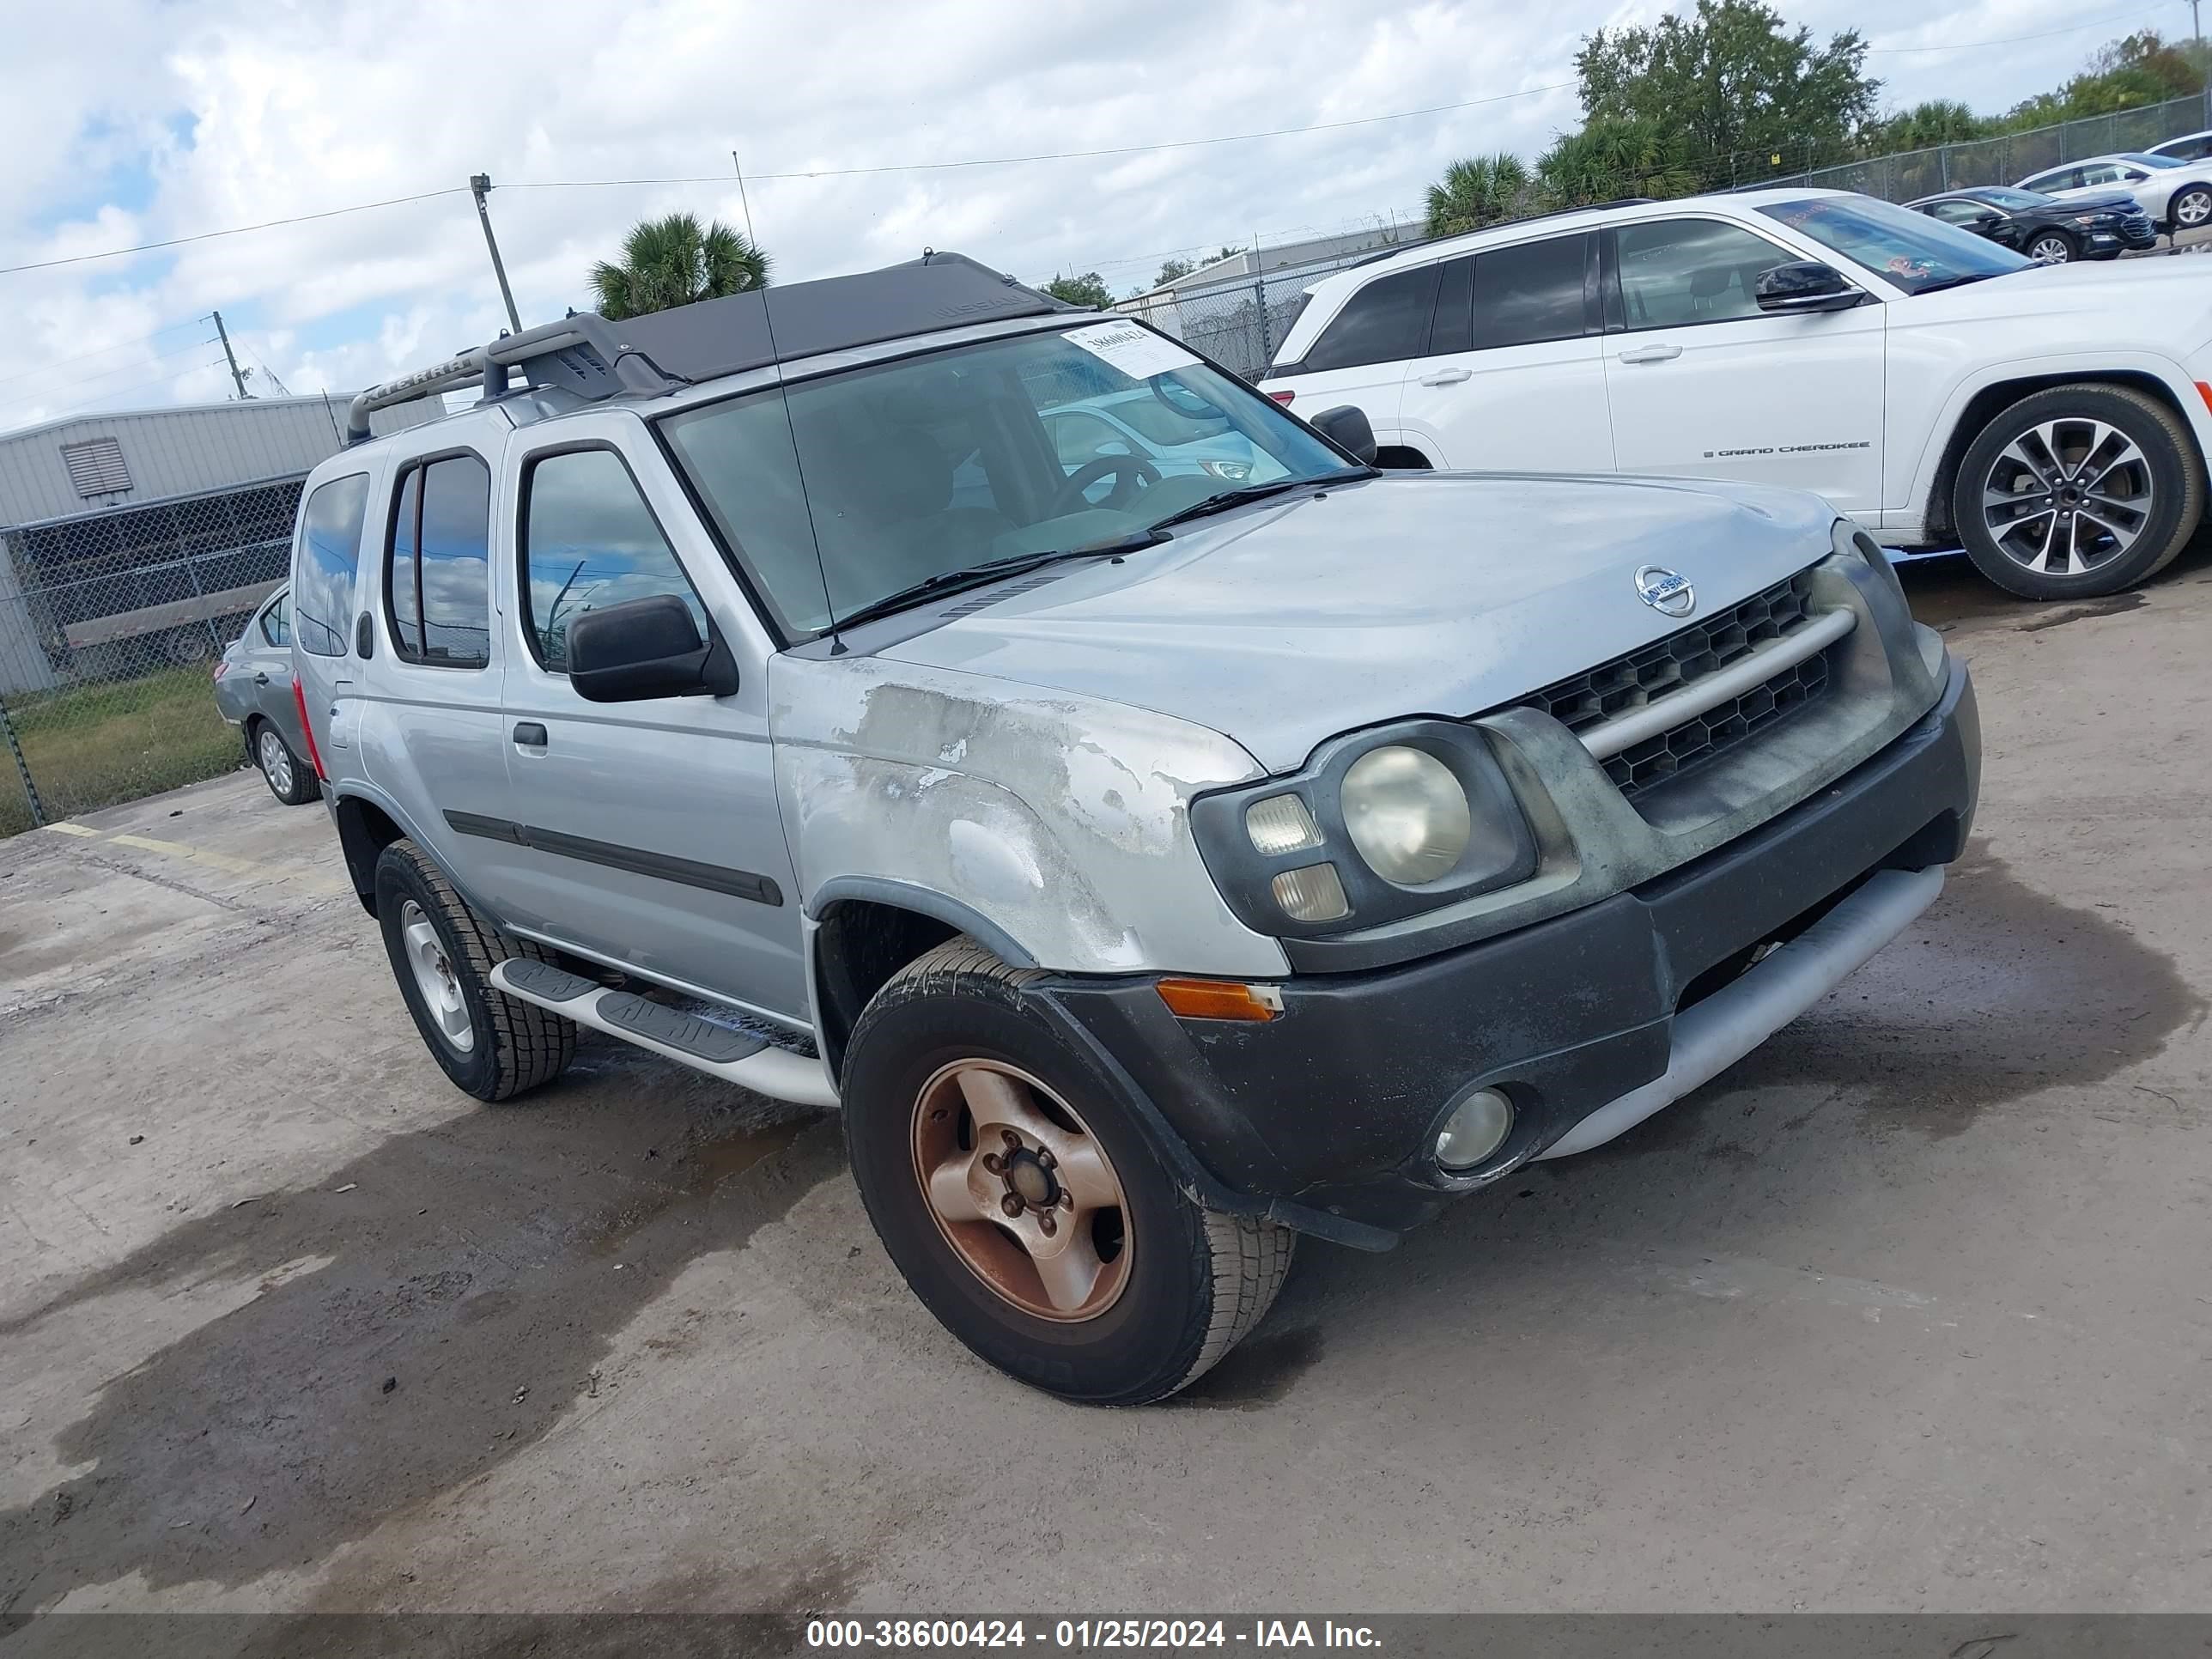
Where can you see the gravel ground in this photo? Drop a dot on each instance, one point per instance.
(1907, 1311)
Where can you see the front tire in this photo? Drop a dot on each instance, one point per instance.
(491, 1045)
(2051, 247)
(2191, 211)
(1023, 1201)
(2078, 491)
(289, 779)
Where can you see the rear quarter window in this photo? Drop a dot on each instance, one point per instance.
(324, 563)
(1387, 321)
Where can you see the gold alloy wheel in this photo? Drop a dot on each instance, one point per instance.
(1021, 1190)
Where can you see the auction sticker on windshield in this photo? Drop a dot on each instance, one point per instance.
(1137, 352)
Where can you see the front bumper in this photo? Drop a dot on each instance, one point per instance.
(1323, 1117)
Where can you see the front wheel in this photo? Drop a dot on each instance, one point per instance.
(1023, 1203)
(2078, 491)
(2050, 248)
(2192, 209)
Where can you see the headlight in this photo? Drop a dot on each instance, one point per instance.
(1378, 826)
(1407, 814)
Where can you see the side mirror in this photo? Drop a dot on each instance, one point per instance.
(1806, 285)
(1347, 426)
(1988, 221)
(647, 648)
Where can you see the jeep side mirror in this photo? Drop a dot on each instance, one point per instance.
(647, 648)
(1805, 285)
(1347, 426)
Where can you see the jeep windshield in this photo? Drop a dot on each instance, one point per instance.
(1917, 253)
(901, 479)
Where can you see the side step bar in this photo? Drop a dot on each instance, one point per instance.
(734, 1056)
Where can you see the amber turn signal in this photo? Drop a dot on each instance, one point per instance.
(1220, 999)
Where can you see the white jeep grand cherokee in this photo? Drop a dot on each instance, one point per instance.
(1940, 389)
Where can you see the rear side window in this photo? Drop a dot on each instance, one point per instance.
(276, 621)
(590, 541)
(1386, 322)
(1674, 272)
(323, 571)
(1530, 293)
(439, 555)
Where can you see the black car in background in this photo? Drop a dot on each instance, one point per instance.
(2044, 228)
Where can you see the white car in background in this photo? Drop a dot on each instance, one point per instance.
(2177, 194)
(2190, 147)
(1938, 388)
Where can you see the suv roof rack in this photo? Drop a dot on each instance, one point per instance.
(592, 359)
(1501, 224)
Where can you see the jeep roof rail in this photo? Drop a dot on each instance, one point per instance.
(593, 360)
(1500, 224)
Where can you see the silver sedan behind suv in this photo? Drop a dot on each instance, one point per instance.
(256, 692)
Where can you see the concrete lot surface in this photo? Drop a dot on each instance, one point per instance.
(1909, 1311)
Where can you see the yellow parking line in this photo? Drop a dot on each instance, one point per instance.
(236, 867)
(74, 830)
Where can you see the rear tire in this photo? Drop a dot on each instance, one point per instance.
(491, 1045)
(2011, 506)
(1175, 1286)
(289, 779)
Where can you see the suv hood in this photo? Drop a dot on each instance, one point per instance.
(2165, 299)
(1411, 593)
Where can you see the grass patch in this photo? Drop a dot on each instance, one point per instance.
(100, 746)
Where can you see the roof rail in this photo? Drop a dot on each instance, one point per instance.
(1514, 223)
(651, 355)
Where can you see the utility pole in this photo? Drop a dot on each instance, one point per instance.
(237, 377)
(480, 187)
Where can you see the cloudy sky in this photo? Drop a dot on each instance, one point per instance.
(127, 122)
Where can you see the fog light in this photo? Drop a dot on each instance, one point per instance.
(1311, 893)
(1475, 1130)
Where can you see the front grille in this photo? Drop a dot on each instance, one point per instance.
(1597, 694)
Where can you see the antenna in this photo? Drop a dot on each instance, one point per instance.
(783, 396)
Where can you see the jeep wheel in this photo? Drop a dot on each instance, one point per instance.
(289, 780)
(2078, 491)
(2050, 248)
(442, 953)
(1023, 1203)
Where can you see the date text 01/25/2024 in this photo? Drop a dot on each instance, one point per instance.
(1085, 1635)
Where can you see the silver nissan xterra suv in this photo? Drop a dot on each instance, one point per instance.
(1158, 849)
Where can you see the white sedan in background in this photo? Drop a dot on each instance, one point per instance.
(2176, 195)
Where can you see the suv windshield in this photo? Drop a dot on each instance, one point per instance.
(888, 476)
(1909, 249)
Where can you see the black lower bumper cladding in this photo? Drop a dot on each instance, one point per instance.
(1323, 1115)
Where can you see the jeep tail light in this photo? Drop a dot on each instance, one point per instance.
(1283, 397)
(307, 728)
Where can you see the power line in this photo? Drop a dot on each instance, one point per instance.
(119, 391)
(108, 373)
(2014, 39)
(234, 230)
(97, 351)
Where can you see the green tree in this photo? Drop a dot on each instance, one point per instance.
(1475, 191)
(1938, 121)
(1088, 289)
(1611, 159)
(1173, 270)
(1733, 80)
(674, 262)
(2143, 68)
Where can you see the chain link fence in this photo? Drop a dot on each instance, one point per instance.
(110, 624)
(2006, 160)
(1239, 321)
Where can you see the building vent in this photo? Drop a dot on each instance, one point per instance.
(95, 467)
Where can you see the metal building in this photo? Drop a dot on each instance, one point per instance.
(130, 540)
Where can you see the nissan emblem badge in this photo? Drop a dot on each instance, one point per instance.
(1668, 592)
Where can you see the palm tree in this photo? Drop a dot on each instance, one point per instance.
(672, 262)
(1476, 191)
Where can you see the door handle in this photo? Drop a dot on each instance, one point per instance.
(1448, 377)
(261, 678)
(1651, 354)
(530, 734)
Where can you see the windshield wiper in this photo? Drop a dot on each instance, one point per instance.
(1942, 283)
(1260, 492)
(991, 570)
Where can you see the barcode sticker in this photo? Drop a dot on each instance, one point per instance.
(1137, 352)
